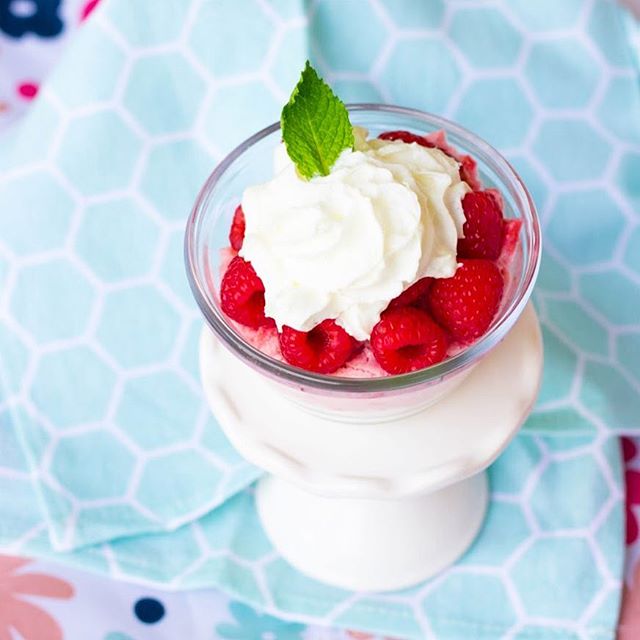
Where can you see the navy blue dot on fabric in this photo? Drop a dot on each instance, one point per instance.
(19, 17)
(149, 610)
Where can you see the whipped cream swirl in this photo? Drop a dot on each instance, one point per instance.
(342, 246)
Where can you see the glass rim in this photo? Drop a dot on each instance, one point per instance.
(328, 382)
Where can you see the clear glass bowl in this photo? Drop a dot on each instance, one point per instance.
(355, 399)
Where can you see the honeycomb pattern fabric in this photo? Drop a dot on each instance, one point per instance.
(106, 432)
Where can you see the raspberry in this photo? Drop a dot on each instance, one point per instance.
(324, 349)
(236, 233)
(510, 242)
(469, 171)
(466, 303)
(484, 226)
(406, 136)
(407, 339)
(242, 294)
(496, 195)
(414, 296)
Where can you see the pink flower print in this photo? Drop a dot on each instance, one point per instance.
(30, 621)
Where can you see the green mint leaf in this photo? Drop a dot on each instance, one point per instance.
(315, 125)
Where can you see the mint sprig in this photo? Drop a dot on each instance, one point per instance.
(315, 125)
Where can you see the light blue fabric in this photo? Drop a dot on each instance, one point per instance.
(98, 333)
(548, 554)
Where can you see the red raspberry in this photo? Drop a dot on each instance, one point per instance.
(484, 226)
(466, 303)
(236, 233)
(324, 349)
(407, 339)
(414, 296)
(406, 136)
(510, 242)
(242, 294)
(469, 171)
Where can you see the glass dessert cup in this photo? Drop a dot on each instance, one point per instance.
(339, 398)
(397, 460)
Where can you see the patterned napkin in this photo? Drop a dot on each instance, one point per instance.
(548, 562)
(106, 433)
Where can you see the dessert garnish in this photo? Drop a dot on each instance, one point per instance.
(315, 125)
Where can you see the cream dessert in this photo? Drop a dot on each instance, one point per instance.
(387, 261)
(342, 246)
